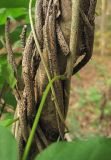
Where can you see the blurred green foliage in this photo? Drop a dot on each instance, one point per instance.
(89, 96)
(107, 28)
(14, 4)
(6, 74)
(90, 149)
(8, 145)
(18, 12)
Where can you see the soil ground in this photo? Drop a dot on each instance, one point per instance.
(88, 109)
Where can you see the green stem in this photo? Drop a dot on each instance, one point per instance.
(44, 64)
(11, 122)
(36, 121)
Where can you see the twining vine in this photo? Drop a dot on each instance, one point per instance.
(63, 31)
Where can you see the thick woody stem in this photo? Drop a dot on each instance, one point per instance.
(44, 64)
(73, 37)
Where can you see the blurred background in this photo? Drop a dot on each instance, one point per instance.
(90, 103)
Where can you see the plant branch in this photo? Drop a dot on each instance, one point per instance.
(44, 64)
(73, 37)
(36, 121)
(71, 60)
(11, 122)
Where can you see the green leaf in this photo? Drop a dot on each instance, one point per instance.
(2, 29)
(8, 115)
(6, 74)
(15, 35)
(10, 99)
(14, 3)
(11, 12)
(92, 149)
(8, 145)
(5, 122)
(8, 122)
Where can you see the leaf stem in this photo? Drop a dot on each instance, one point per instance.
(36, 121)
(11, 122)
(45, 66)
